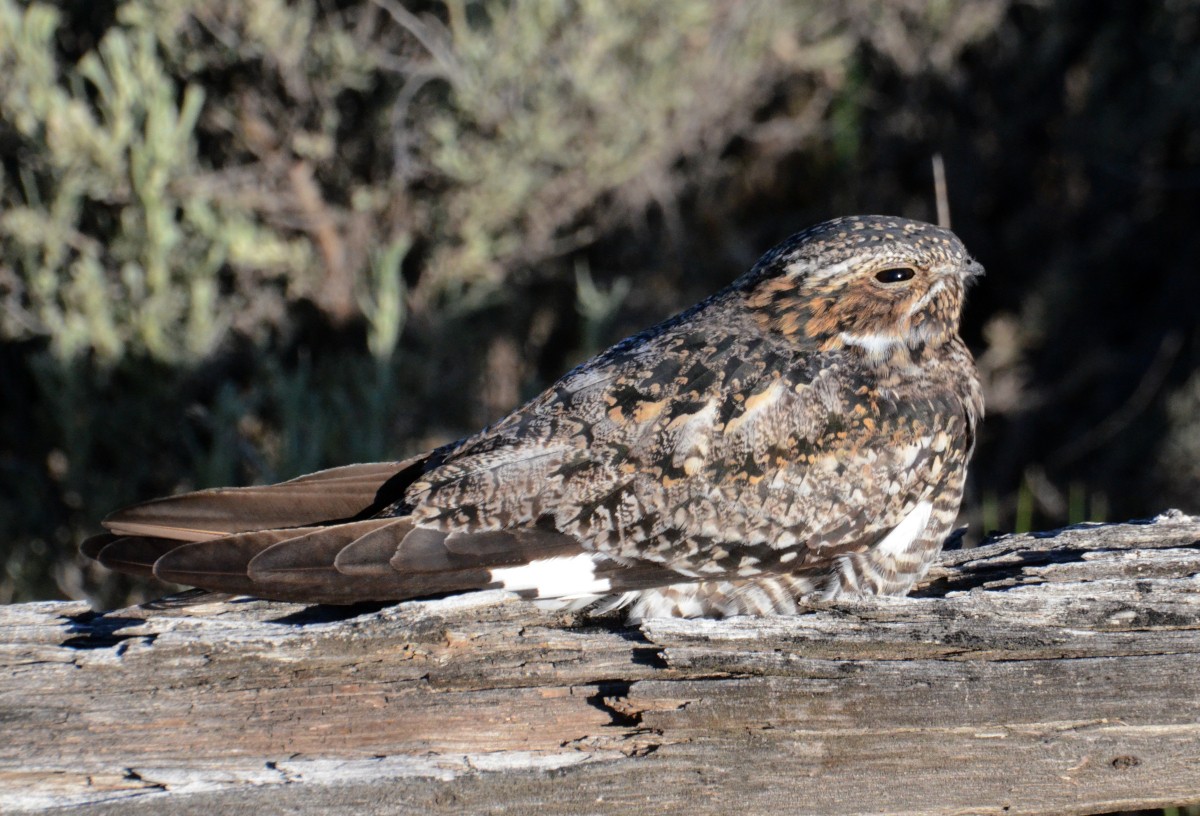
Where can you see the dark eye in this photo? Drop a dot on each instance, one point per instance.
(894, 275)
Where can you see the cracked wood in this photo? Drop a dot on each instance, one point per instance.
(1052, 673)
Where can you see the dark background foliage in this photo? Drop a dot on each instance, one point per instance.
(241, 242)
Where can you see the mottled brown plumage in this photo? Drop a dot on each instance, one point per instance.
(803, 433)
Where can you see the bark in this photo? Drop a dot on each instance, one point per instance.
(1048, 673)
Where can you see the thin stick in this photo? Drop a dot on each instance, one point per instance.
(939, 191)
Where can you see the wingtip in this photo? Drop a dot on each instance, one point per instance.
(325, 497)
(92, 545)
(135, 555)
(160, 518)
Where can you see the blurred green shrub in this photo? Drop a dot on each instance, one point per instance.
(115, 245)
(564, 117)
(519, 131)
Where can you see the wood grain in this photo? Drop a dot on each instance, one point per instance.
(1049, 673)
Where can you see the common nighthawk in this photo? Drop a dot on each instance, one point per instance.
(802, 434)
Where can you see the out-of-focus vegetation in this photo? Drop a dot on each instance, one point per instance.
(240, 241)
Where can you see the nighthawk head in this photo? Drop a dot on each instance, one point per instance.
(872, 282)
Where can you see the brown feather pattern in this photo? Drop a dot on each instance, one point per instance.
(804, 432)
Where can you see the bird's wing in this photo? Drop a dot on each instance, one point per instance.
(484, 512)
(631, 412)
(712, 455)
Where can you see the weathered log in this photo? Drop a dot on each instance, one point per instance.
(1047, 673)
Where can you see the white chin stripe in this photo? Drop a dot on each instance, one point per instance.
(561, 577)
(907, 531)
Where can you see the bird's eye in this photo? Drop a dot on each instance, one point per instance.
(894, 275)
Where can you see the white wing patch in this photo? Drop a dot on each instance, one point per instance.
(907, 531)
(561, 577)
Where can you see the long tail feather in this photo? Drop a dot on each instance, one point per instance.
(327, 496)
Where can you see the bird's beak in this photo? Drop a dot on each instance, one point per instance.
(974, 269)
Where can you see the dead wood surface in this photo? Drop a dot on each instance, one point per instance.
(1049, 673)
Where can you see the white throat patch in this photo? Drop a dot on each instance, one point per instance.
(877, 345)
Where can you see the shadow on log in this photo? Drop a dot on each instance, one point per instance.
(1048, 673)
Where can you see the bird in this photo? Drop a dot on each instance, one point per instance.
(801, 436)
